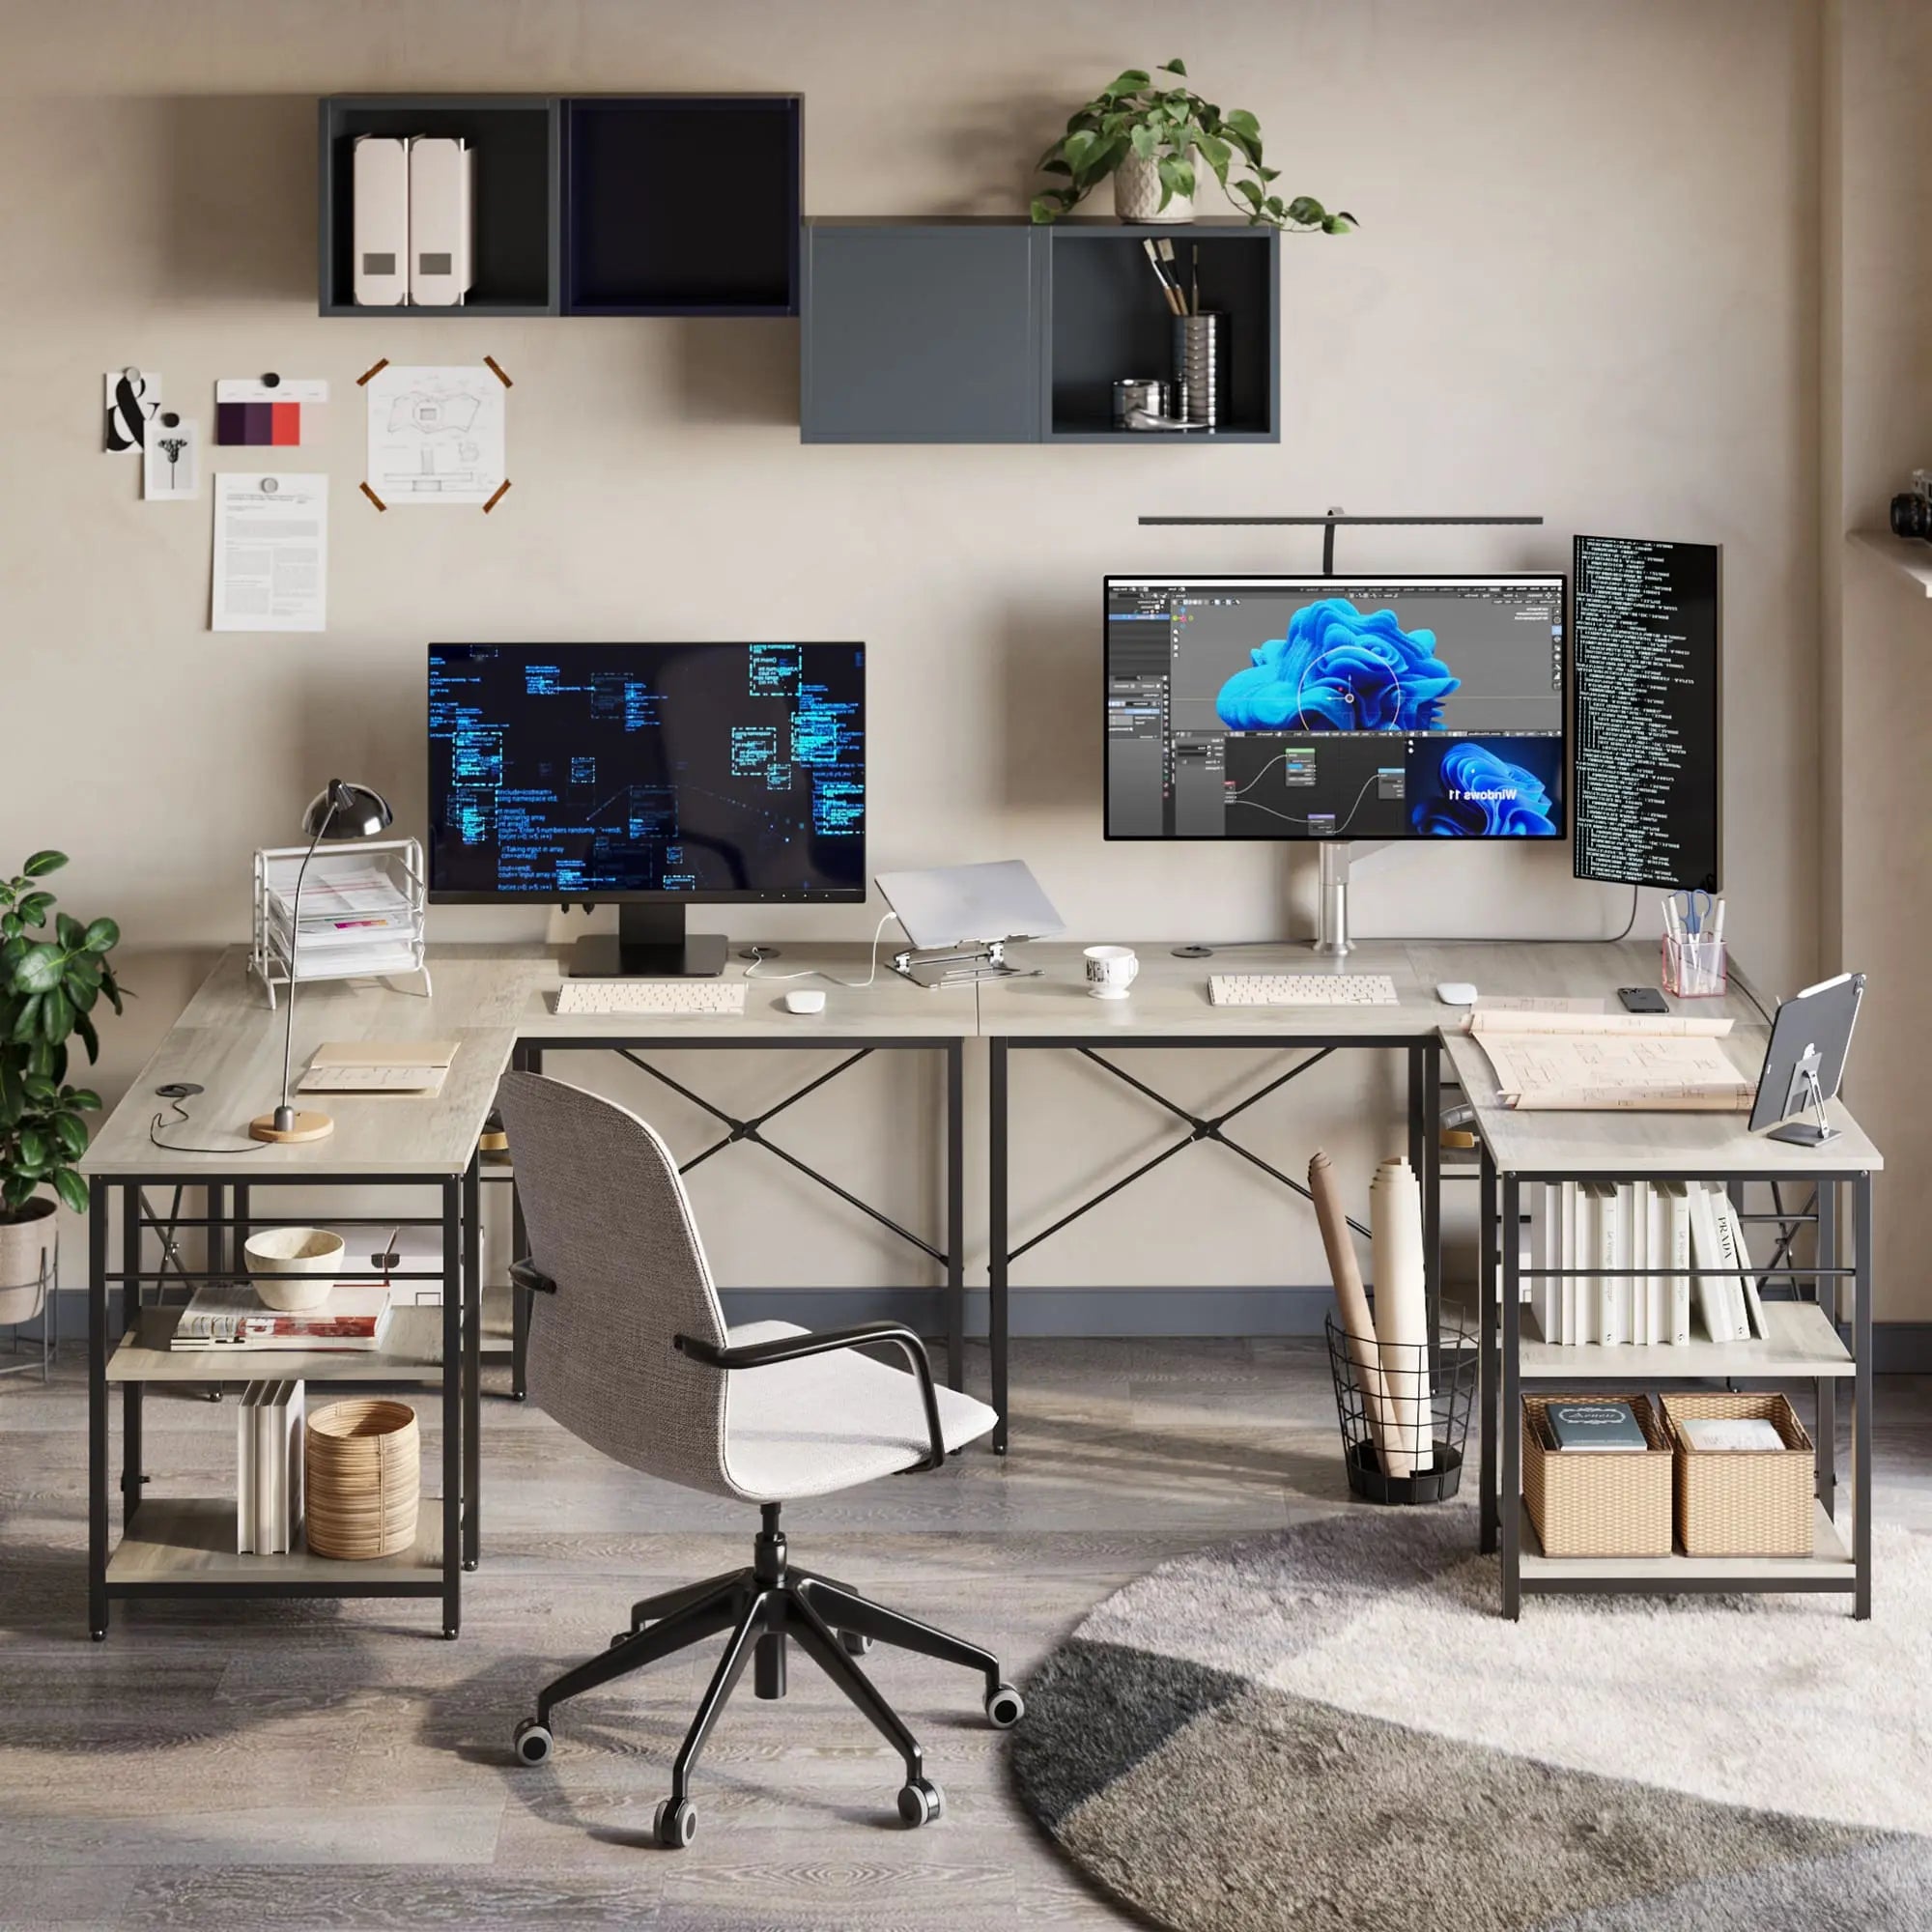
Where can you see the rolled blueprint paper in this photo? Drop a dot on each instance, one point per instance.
(1351, 1303)
(1401, 1314)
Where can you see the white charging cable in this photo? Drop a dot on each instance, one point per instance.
(751, 972)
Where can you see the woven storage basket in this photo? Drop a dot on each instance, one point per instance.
(361, 1476)
(1602, 1502)
(1743, 1502)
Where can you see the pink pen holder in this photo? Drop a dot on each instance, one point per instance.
(1694, 966)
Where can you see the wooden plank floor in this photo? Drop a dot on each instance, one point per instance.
(261, 1765)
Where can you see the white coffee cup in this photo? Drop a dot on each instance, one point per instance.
(1110, 971)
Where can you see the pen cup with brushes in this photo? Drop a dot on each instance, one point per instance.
(1694, 965)
(1199, 363)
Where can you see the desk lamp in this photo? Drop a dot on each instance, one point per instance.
(338, 811)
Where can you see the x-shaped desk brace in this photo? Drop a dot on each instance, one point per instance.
(1424, 1058)
(751, 1131)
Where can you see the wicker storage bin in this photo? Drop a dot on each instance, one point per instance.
(1597, 1502)
(362, 1475)
(1743, 1502)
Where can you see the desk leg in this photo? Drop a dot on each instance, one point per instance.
(1826, 1288)
(955, 1213)
(472, 1363)
(1861, 1394)
(1485, 1328)
(1510, 1502)
(98, 1195)
(995, 1233)
(1432, 1179)
(130, 1392)
(452, 1407)
(530, 1059)
(214, 1239)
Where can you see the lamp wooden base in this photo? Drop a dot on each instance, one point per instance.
(307, 1128)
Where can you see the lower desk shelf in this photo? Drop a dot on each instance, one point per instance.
(1829, 1567)
(182, 1545)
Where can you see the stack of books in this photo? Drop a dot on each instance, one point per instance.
(268, 1468)
(1616, 1235)
(227, 1315)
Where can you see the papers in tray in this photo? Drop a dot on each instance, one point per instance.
(1606, 1063)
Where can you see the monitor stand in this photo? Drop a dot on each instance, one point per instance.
(650, 943)
(1331, 916)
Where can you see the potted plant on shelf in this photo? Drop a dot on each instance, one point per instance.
(48, 988)
(1148, 133)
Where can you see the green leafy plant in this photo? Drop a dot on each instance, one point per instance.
(1140, 114)
(50, 987)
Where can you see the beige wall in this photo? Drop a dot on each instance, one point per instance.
(1585, 286)
(1877, 672)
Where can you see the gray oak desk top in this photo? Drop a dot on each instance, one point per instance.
(488, 997)
(1584, 1143)
(1169, 995)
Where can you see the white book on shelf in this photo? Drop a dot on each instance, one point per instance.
(1731, 1231)
(1566, 1238)
(1656, 1248)
(1586, 1312)
(1713, 1300)
(244, 1469)
(1637, 1260)
(266, 1425)
(1614, 1253)
(1545, 1254)
(1677, 1246)
(294, 1442)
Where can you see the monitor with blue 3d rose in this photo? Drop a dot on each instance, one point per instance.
(1335, 708)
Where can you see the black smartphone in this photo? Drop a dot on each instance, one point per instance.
(1642, 1000)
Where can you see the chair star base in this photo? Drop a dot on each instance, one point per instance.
(767, 1608)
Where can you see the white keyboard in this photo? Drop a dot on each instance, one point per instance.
(1301, 990)
(651, 996)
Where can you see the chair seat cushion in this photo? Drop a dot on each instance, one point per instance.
(830, 1422)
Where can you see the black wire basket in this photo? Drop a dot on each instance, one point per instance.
(1418, 1413)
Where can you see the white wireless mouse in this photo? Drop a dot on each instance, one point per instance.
(812, 1003)
(1456, 993)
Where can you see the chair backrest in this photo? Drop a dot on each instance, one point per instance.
(610, 1224)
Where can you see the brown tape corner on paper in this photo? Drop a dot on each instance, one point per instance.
(372, 495)
(496, 497)
(495, 367)
(375, 369)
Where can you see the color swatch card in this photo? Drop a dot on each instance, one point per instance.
(264, 414)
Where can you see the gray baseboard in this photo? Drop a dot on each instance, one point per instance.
(1898, 1347)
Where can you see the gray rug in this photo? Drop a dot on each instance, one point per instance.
(1332, 1728)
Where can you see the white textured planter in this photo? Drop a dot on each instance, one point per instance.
(26, 1248)
(1137, 192)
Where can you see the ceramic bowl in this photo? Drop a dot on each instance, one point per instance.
(294, 1269)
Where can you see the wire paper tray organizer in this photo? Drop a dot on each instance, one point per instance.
(335, 943)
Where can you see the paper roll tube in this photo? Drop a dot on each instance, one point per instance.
(1401, 1314)
(1352, 1303)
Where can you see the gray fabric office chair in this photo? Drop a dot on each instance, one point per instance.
(628, 1349)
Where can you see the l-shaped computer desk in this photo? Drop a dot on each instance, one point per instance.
(500, 1002)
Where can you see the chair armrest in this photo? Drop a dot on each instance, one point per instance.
(823, 1341)
(527, 1275)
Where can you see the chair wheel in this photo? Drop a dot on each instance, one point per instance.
(855, 1643)
(921, 1801)
(675, 1824)
(1005, 1707)
(533, 1743)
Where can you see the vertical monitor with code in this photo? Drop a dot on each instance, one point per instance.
(713, 772)
(1647, 632)
(1335, 708)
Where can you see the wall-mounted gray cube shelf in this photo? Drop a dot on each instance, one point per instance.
(582, 203)
(977, 330)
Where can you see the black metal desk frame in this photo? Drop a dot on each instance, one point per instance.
(529, 1057)
(227, 1223)
(1502, 1275)
(1424, 1055)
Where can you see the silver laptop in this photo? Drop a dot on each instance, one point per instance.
(961, 905)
